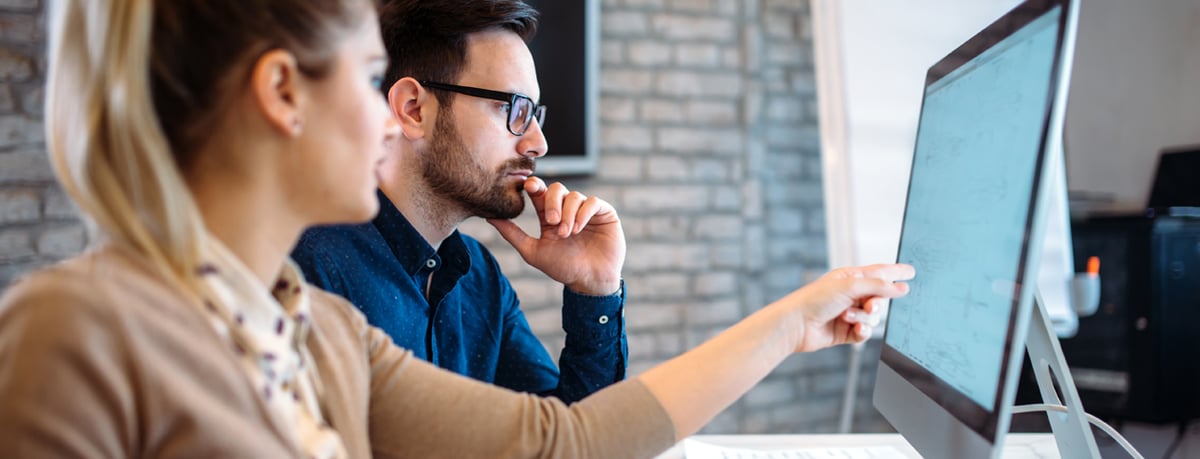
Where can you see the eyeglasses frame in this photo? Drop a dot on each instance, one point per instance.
(538, 112)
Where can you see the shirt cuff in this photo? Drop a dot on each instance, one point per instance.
(594, 317)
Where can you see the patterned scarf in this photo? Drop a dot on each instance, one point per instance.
(267, 331)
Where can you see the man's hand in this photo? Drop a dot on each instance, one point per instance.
(581, 243)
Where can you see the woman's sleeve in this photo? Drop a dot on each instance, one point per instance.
(419, 410)
(64, 370)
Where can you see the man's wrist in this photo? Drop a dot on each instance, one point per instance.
(606, 288)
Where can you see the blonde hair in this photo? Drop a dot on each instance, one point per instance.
(103, 135)
(129, 81)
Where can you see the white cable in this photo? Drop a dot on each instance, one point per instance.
(1092, 419)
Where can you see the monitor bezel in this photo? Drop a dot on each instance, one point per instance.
(978, 419)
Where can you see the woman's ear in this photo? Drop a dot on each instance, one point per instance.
(275, 84)
(413, 106)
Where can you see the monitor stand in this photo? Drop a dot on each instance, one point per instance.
(1071, 430)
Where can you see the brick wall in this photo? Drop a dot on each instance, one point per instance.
(38, 224)
(709, 150)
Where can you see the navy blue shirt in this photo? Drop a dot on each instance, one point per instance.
(469, 321)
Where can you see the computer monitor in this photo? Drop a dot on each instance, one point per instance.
(1176, 180)
(986, 167)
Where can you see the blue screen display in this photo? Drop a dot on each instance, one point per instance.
(978, 143)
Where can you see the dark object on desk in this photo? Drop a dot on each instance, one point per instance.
(1136, 358)
(1176, 183)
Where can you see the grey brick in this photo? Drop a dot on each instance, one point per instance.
(666, 198)
(15, 244)
(620, 168)
(688, 28)
(713, 170)
(672, 228)
(63, 241)
(649, 53)
(56, 204)
(789, 54)
(695, 6)
(660, 286)
(716, 141)
(25, 165)
(701, 55)
(545, 321)
(785, 223)
(24, 28)
(727, 198)
(618, 109)
(726, 255)
(696, 84)
(641, 315)
(794, 137)
(794, 193)
(660, 110)
(612, 53)
(796, 249)
(20, 5)
(788, 109)
(15, 66)
(755, 244)
(6, 99)
(19, 206)
(718, 228)
(667, 169)
(716, 284)
(780, 26)
(642, 345)
(624, 24)
(705, 112)
(714, 312)
(626, 138)
(538, 292)
(646, 4)
(31, 99)
(788, 166)
(19, 130)
(666, 257)
(627, 82)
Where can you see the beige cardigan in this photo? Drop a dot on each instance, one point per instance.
(99, 358)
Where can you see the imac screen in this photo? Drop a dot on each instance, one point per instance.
(967, 221)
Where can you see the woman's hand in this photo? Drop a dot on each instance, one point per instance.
(843, 305)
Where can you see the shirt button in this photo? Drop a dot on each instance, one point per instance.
(603, 320)
(430, 263)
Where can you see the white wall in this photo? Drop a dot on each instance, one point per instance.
(1135, 90)
(887, 47)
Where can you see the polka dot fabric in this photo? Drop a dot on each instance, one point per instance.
(266, 330)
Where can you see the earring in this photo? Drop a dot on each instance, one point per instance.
(297, 126)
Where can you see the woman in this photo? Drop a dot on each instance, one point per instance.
(202, 137)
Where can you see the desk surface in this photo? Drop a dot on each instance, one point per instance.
(1017, 446)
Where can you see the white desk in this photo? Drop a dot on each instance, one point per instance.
(1017, 446)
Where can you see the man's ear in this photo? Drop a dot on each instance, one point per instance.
(275, 85)
(413, 106)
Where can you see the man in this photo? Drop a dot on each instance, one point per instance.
(463, 87)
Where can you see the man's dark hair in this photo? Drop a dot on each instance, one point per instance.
(427, 39)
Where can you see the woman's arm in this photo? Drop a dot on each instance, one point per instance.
(835, 309)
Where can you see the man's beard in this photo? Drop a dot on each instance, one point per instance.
(452, 173)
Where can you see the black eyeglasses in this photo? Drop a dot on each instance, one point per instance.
(521, 109)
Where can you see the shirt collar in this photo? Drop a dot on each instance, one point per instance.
(409, 246)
